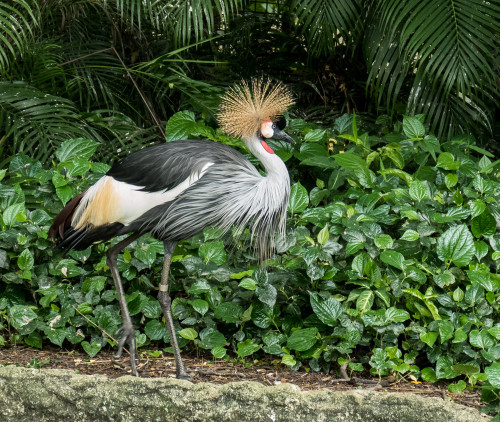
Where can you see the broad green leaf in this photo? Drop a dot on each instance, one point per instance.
(493, 374)
(418, 190)
(447, 162)
(396, 315)
(23, 319)
(213, 251)
(393, 258)
(456, 244)
(267, 294)
(477, 207)
(328, 311)
(14, 214)
(365, 301)
(315, 135)
(413, 128)
(357, 165)
(429, 375)
(483, 279)
(465, 369)
(429, 338)
(288, 360)
(298, 198)
(323, 235)
(450, 180)
(76, 148)
(211, 338)
(443, 368)
(180, 126)
(91, 349)
(457, 387)
(218, 352)
(483, 225)
(384, 241)
(247, 348)
(248, 284)
(228, 312)
(200, 306)
(302, 339)
(25, 261)
(188, 333)
(481, 249)
(444, 279)
(445, 330)
(481, 339)
(410, 235)
(155, 330)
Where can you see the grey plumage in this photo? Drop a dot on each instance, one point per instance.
(175, 190)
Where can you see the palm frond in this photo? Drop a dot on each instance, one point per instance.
(326, 23)
(16, 30)
(439, 50)
(36, 123)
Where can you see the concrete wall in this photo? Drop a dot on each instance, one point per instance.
(39, 395)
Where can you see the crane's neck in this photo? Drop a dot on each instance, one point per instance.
(276, 170)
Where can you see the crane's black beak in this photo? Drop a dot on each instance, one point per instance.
(281, 135)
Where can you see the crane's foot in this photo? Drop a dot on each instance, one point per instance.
(127, 335)
(184, 376)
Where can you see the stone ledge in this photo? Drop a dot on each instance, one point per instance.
(44, 395)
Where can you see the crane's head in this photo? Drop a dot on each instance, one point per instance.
(255, 111)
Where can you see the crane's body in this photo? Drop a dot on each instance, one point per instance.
(177, 189)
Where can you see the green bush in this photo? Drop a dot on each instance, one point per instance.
(390, 263)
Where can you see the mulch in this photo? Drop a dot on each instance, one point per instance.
(220, 372)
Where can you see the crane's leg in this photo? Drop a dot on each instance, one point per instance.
(127, 330)
(165, 303)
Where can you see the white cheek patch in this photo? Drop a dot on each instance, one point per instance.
(267, 129)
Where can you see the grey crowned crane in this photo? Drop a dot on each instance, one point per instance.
(175, 190)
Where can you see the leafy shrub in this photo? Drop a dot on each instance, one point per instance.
(390, 263)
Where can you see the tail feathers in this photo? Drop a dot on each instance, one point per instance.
(83, 238)
(62, 222)
(68, 238)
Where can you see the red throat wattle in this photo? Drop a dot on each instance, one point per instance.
(267, 147)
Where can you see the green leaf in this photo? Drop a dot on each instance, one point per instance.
(445, 330)
(444, 279)
(396, 315)
(248, 284)
(357, 165)
(493, 374)
(384, 241)
(288, 360)
(457, 387)
(481, 339)
(315, 135)
(464, 369)
(22, 318)
(267, 294)
(456, 244)
(155, 330)
(443, 368)
(393, 258)
(429, 338)
(483, 225)
(323, 235)
(481, 250)
(180, 126)
(298, 198)
(56, 335)
(25, 261)
(450, 180)
(188, 333)
(413, 128)
(328, 311)
(76, 148)
(302, 339)
(91, 349)
(483, 279)
(429, 375)
(94, 284)
(446, 161)
(213, 251)
(418, 190)
(228, 312)
(200, 306)
(410, 235)
(64, 193)
(218, 352)
(14, 214)
(211, 338)
(365, 301)
(247, 348)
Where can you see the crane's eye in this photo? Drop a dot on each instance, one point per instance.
(274, 126)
